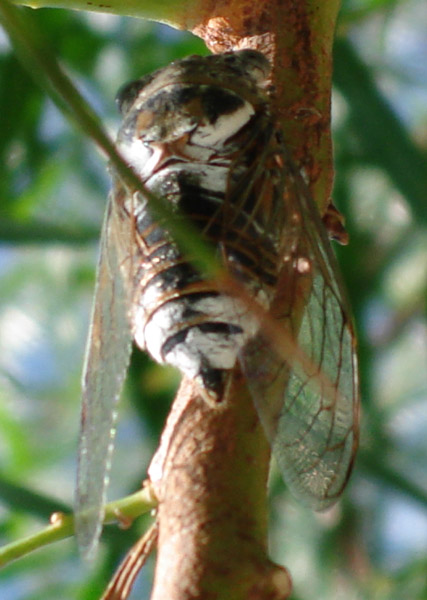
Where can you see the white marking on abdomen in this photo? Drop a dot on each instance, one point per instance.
(218, 350)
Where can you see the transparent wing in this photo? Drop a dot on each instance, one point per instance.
(302, 370)
(107, 357)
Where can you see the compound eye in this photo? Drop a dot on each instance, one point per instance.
(256, 64)
(128, 93)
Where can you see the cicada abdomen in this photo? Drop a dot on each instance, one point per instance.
(200, 135)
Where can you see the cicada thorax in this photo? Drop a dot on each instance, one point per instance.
(200, 135)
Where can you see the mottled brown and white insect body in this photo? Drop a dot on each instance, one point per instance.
(195, 144)
(201, 136)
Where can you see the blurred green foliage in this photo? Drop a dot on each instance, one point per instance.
(53, 187)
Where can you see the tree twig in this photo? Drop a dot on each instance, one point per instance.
(62, 525)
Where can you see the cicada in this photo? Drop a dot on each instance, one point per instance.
(200, 134)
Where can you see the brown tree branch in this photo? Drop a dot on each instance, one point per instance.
(210, 475)
(210, 471)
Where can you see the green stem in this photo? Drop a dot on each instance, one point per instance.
(62, 525)
(176, 13)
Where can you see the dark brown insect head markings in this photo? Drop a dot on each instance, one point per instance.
(200, 134)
